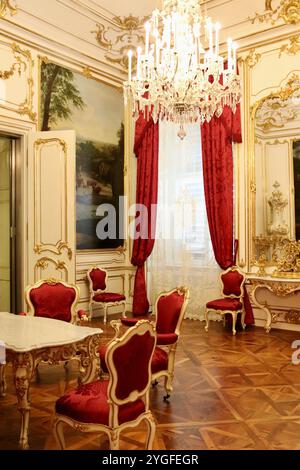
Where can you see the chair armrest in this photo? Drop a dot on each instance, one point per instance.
(82, 315)
(116, 325)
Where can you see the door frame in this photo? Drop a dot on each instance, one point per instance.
(19, 130)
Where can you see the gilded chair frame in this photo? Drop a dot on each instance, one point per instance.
(52, 281)
(114, 429)
(171, 348)
(233, 313)
(104, 305)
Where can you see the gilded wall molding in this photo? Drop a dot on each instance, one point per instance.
(287, 11)
(274, 113)
(61, 244)
(127, 33)
(23, 63)
(285, 92)
(7, 6)
(292, 48)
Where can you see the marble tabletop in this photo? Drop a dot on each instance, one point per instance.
(26, 333)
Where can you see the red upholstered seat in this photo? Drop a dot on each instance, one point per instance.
(102, 351)
(98, 278)
(108, 297)
(88, 404)
(233, 290)
(107, 405)
(131, 321)
(232, 283)
(225, 304)
(159, 360)
(53, 300)
(168, 312)
(164, 339)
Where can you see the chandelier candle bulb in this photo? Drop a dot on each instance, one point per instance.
(229, 43)
(129, 53)
(210, 36)
(138, 66)
(217, 30)
(147, 28)
(234, 48)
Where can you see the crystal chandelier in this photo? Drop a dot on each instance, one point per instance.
(176, 78)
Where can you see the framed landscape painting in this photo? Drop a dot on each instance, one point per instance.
(71, 100)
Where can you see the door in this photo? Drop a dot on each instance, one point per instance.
(6, 231)
(51, 229)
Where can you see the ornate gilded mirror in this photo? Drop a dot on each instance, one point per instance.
(276, 189)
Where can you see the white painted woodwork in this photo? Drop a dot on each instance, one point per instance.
(51, 206)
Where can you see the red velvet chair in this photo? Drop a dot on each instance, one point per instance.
(122, 401)
(52, 298)
(170, 308)
(98, 295)
(232, 281)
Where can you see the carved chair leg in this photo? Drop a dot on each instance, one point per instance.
(2, 380)
(243, 314)
(206, 319)
(124, 311)
(90, 310)
(105, 315)
(58, 431)
(234, 317)
(114, 439)
(151, 431)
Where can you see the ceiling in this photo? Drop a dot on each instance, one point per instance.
(125, 8)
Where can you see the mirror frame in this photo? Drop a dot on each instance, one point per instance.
(292, 85)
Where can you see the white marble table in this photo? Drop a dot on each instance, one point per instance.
(30, 340)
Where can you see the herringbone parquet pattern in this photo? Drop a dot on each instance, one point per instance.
(229, 393)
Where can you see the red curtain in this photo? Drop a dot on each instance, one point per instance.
(217, 138)
(146, 150)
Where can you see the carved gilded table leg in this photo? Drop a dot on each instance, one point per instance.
(89, 359)
(264, 307)
(2, 380)
(23, 369)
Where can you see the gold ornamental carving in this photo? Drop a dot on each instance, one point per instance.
(291, 89)
(287, 258)
(286, 10)
(38, 249)
(292, 48)
(126, 33)
(7, 6)
(292, 317)
(43, 264)
(17, 67)
(252, 58)
(274, 113)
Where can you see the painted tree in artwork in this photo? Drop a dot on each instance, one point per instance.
(59, 94)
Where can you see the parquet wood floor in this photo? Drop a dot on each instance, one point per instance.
(229, 393)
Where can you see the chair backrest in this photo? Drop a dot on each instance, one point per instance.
(128, 361)
(170, 309)
(52, 298)
(97, 279)
(233, 281)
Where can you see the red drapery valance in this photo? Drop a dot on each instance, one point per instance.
(146, 148)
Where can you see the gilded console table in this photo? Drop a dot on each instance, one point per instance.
(279, 287)
(30, 340)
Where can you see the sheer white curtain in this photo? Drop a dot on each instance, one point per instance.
(182, 252)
